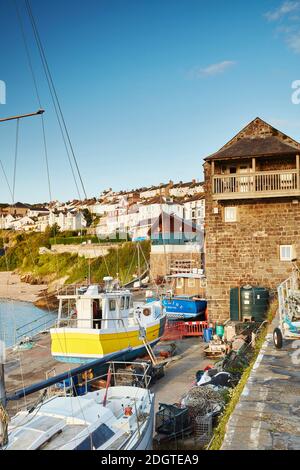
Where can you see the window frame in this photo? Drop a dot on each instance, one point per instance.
(230, 220)
(281, 250)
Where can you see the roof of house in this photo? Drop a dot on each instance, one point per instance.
(172, 223)
(258, 138)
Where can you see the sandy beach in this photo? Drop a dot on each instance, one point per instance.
(12, 288)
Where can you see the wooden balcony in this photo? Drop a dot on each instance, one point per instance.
(264, 184)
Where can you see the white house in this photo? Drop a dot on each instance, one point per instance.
(194, 209)
(38, 211)
(67, 220)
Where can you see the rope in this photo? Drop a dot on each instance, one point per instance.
(53, 92)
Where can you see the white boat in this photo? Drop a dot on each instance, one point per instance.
(113, 418)
(94, 323)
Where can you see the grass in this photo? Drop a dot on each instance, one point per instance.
(234, 397)
(23, 255)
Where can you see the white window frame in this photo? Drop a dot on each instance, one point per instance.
(191, 282)
(283, 252)
(179, 283)
(230, 214)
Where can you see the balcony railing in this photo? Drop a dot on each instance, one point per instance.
(258, 184)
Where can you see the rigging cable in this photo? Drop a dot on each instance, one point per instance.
(16, 159)
(39, 101)
(52, 87)
(37, 93)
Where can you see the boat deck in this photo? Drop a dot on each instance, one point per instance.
(30, 366)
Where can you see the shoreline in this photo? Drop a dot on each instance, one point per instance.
(12, 288)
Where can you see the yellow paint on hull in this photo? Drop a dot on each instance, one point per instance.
(67, 342)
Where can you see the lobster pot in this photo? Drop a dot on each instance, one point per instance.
(203, 428)
(171, 420)
(249, 303)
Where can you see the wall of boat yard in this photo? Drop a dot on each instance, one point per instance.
(168, 259)
(88, 250)
(247, 251)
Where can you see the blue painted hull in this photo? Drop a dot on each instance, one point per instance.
(183, 308)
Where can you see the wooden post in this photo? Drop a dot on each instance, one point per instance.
(253, 171)
(22, 116)
(212, 177)
(298, 171)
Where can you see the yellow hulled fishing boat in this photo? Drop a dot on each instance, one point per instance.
(94, 322)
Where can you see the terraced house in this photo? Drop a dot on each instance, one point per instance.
(252, 213)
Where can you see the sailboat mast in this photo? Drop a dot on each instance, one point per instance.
(3, 415)
(2, 380)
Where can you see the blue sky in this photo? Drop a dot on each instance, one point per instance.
(148, 87)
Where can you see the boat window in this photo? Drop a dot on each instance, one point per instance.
(86, 444)
(122, 303)
(96, 439)
(101, 435)
(127, 302)
(112, 305)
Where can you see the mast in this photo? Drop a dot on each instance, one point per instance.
(3, 400)
(3, 414)
(139, 262)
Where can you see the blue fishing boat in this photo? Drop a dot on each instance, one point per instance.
(183, 307)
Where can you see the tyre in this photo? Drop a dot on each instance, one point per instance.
(277, 338)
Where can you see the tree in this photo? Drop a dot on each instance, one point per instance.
(88, 217)
(53, 231)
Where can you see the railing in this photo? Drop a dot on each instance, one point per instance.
(30, 329)
(137, 374)
(72, 289)
(257, 183)
(287, 291)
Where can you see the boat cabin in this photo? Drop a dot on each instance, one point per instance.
(93, 307)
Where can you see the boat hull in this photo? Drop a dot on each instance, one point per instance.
(179, 308)
(146, 440)
(81, 346)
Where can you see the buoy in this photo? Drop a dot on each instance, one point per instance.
(128, 411)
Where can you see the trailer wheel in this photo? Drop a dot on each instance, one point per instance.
(277, 338)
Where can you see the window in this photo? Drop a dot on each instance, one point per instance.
(230, 214)
(122, 303)
(112, 305)
(286, 252)
(191, 282)
(127, 302)
(179, 283)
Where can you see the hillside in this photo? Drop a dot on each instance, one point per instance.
(22, 255)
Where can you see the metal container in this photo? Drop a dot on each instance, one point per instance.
(249, 302)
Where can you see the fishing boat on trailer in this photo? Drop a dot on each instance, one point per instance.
(94, 323)
(118, 417)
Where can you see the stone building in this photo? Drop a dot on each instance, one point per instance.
(252, 213)
(176, 246)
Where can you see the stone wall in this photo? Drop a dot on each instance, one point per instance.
(247, 251)
(88, 251)
(161, 263)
